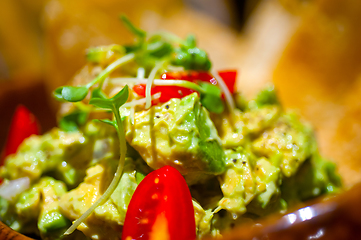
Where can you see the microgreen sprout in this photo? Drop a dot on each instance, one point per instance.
(113, 104)
(78, 93)
(141, 34)
(102, 53)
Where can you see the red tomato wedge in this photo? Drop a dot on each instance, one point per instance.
(23, 125)
(161, 208)
(168, 92)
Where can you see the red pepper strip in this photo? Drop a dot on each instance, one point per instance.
(168, 92)
(23, 124)
(161, 208)
(229, 77)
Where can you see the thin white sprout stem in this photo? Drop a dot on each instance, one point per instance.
(225, 90)
(113, 184)
(111, 67)
(160, 82)
(148, 87)
(140, 101)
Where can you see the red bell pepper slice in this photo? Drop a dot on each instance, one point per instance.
(161, 208)
(23, 125)
(229, 77)
(168, 92)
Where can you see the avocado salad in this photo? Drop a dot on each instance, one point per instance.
(134, 109)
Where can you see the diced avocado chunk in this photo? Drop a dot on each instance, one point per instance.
(248, 180)
(28, 204)
(179, 133)
(203, 219)
(75, 202)
(50, 218)
(259, 119)
(316, 176)
(9, 216)
(238, 183)
(289, 138)
(62, 155)
(39, 204)
(268, 179)
(42, 154)
(126, 187)
(231, 128)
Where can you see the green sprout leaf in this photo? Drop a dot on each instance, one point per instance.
(115, 102)
(211, 97)
(57, 94)
(70, 93)
(101, 103)
(192, 59)
(107, 121)
(210, 149)
(98, 93)
(136, 31)
(102, 53)
(159, 49)
(267, 96)
(190, 42)
(73, 121)
(121, 97)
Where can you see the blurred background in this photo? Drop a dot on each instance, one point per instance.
(310, 50)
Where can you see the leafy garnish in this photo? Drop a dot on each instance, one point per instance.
(210, 149)
(112, 104)
(190, 57)
(109, 122)
(70, 93)
(163, 45)
(211, 97)
(136, 31)
(78, 93)
(159, 48)
(102, 53)
(190, 42)
(267, 96)
(72, 121)
(97, 93)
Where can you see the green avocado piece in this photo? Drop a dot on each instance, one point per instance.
(36, 209)
(28, 204)
(290, 139)
(316, 176)
(50, 218)
(62, 155)
(238, 183)
(179, 133)
(126, 187)
(49, 153)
